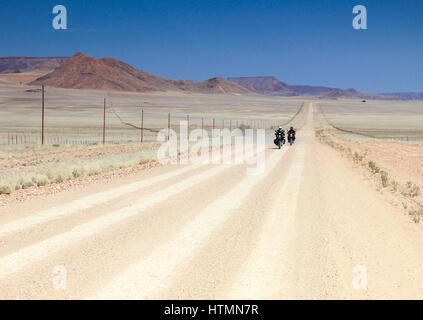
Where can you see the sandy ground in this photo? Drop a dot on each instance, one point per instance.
(404, 161)
(21, 78)
(307, 227)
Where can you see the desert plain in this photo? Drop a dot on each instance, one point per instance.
(336, 215)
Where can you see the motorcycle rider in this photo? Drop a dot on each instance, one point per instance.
(278, 132)
(291, 131)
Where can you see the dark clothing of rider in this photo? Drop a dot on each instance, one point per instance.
(280, 131)
(291, 131)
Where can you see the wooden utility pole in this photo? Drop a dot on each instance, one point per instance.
(142, 125)
(168, 126)
(104, 122)
(42, 115)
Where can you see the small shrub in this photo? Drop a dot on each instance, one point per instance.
(5, 187)
(94, 169)
(373, 167)
(384, 178)
(416, 214)
(358, 157)
(77, 171)
(41, 180)
(26, 182)
(415, 191)
(411, 190)
(395, 185)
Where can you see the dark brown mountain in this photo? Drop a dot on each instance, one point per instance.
(84, 72)
(26, 64)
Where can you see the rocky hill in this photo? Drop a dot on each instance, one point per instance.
(84, 72)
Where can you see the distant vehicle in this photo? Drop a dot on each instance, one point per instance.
(363, 101)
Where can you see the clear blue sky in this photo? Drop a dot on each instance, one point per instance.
(300, 42)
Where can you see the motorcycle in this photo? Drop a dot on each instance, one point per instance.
(291, 138)
(280, 140)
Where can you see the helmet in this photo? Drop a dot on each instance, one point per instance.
(292, 128)
(280, 127)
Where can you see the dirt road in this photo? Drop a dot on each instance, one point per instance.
(308, 227)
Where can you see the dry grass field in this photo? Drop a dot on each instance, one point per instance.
(76, 116)
(388, 120)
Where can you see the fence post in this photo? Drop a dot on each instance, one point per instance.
(104, 122)
(42, 114)
(142, 125)
(168, 126)
(188, 123)
(202, 127)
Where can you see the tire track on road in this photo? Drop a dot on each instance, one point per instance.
(90, 201)
(13, 262)
(153, 273)
(270, 262)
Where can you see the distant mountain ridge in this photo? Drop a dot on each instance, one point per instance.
(266, 85)
(27, 64)
(270, 85)
(84, 72)
(112, 74)
(406, 95)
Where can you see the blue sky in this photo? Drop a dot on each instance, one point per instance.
(300, 42)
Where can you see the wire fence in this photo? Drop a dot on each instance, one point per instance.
(400, 135)
(123, 123)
